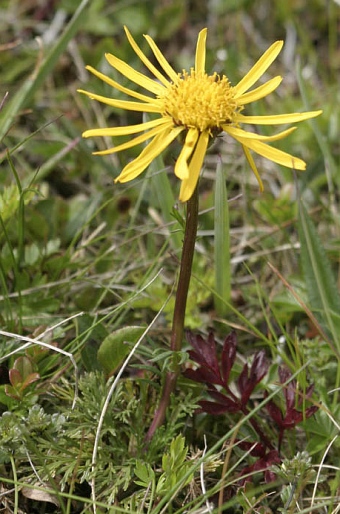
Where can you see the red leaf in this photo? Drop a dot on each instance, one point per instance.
(216, 408)
(292, 417)
(30, 379)
(228, 356)
(249, 379)
(15, 378)
(204, 354)
(202, 375)
(229, 404)
(274, 412)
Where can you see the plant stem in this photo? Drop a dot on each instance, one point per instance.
(179, 311)
(16, 488)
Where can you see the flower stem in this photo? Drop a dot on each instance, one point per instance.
(179, 311)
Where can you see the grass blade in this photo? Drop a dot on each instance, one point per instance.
(321, 284)
(222, 244)
(164, 196)
(32, 84)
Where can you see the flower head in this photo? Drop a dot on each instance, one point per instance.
(200, 106)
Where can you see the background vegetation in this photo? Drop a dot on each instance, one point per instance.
(81, 259)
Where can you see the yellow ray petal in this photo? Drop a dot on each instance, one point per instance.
(124, 104)
(188, 185)
(236, 132)
(260, 91)
(132, 142)
(252, 164)
(161, 59)
(273, 154)
(181, 166)
(259, 68)
(135, 141)
(277, 119)
(145, 60)
(117, 86)
(134, 76)
(129, 129)
(150, 152)
(201, 51)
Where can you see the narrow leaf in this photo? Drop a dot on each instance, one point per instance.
(321, 284)
(26, 92)
(222, 244)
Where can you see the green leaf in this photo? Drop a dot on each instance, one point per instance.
(321, 284)
(5, 399)
(116, 347)
(30, 379)
(10, 200)
(89, 357)
(164, 197)
(222, 244)
(174, 460)
(178, 450)
(12, 392)
(145, 473)
(24, 366)
(175, 466)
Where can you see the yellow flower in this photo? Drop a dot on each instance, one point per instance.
(200, 105)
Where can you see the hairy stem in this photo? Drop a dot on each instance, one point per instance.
(179, 311)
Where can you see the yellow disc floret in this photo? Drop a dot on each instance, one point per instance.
(201, 101)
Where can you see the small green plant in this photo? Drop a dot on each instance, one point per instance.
(21, 376)
(175, 473)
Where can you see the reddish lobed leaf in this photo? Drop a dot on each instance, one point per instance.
(204, 354)
(248, 379)
(255, 449)
(218, 408)
(202, 375)
(292, 417)
(263, 464)
(274, 412)
(210, 373)
(222, 402)
(228, 356)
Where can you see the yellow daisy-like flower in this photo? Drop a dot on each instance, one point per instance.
(200, 105)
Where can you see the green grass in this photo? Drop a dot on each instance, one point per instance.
(84, 261)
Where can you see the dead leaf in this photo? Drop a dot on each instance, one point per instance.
(39, 494)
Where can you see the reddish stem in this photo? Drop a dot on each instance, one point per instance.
(179, 312)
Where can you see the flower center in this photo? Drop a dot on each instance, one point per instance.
(201, 101)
